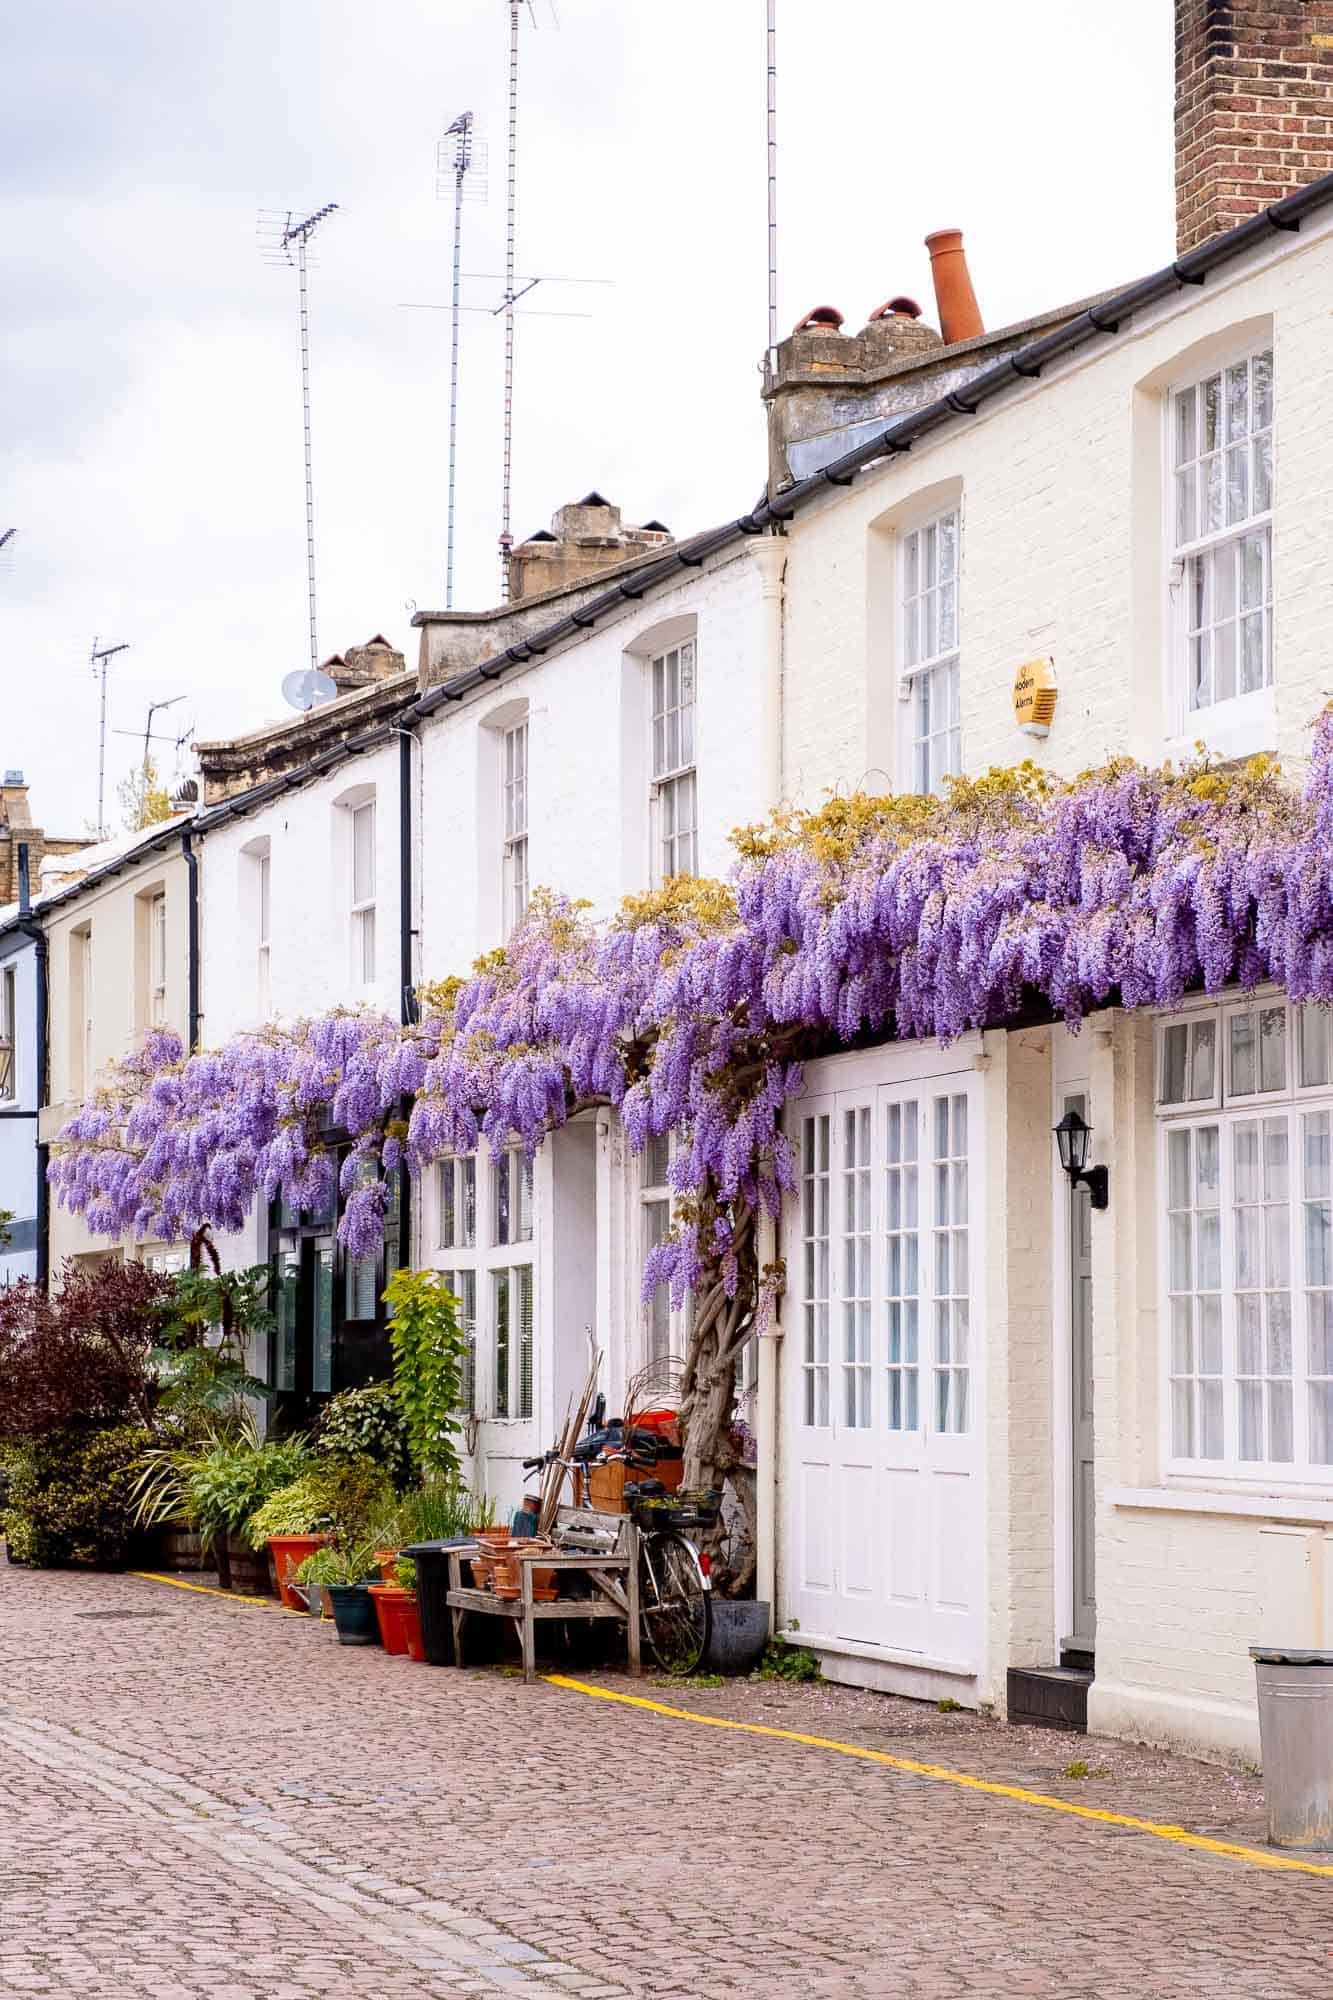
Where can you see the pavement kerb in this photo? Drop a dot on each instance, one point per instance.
(1178, 1836)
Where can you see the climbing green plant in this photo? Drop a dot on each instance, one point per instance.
(429, 1349)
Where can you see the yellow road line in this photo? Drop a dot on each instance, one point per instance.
(1179, 1835)
(204, 1589)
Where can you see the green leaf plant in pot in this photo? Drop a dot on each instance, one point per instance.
(224, 1482)
(334, 1498)
(344, 1574)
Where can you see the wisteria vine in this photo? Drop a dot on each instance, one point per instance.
(692, 1011)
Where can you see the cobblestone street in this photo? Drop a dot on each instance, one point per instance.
(205, 1797)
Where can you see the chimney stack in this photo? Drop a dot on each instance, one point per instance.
(1254, 108)
(955, 300)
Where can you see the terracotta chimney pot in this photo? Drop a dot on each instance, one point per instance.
(960, 317)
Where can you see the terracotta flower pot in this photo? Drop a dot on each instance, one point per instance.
(289, 1552)
(399, 1618)
(483, 1573)
(388, 1562)
(506, 1576)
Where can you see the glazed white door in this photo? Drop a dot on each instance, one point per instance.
(883, 1370)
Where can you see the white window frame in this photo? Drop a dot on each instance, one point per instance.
(81, 1009)
(891, 1337)
(930, 674)
(1236, 723)
(363, 892)
(157, 958)
(514, 823)
(672, 750)
(665, 1328)
(1308, 1287)
(474, 1263)
(9, 1066)
(263, 931)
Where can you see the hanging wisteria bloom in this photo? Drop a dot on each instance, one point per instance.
(692, 1012)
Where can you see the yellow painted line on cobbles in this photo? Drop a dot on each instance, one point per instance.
(207, 1590)
(1180, 1836)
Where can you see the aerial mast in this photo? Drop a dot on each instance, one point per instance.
(97, 660)
(456, 164)
(293, 237)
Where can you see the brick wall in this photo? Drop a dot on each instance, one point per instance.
(1254, 107)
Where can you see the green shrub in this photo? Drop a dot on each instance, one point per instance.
(223, 1485)
(435, 1511)
(782, 1662)
(69, 1496)
(367, 1423)
(429, 1351)
(339, 1497)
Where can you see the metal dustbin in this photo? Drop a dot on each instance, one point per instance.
(1296, 1742)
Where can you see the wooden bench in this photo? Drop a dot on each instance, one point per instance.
(609, 1557)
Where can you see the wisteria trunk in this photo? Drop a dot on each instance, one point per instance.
(721, 1326)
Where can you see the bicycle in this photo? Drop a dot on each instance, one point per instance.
(675, 1589)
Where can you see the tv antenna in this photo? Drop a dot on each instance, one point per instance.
(308, 687)
(463, 163)
(283, 237)
(97, 660)
(150, 735)
(772, 181)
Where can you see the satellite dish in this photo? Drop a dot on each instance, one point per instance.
(307, 687)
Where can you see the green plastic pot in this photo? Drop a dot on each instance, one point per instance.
(353, 1614)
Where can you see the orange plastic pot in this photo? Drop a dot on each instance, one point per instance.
(400, 1620)
(388, 1562)
(289, 1552)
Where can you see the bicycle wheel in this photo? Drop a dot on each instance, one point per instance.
(675, 1610)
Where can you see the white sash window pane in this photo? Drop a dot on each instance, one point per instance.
(815, 1174)
(901, 1204)
(952, 1305)
(1193, 1280)
(1317, 1241)
(857, 1375)
(930, 627)
(500, 1310)
(1224, 483)
(463, 1286)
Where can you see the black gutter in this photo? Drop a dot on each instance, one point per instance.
(27, 924)
(192, 940)
(406, 968)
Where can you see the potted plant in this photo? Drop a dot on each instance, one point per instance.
(224, 1483)
(396, 1609)
(344, 1575)
(291, 1524)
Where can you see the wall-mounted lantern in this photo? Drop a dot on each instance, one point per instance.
(1072, 1136)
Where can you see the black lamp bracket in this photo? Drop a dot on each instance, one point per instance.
(1097, 1181)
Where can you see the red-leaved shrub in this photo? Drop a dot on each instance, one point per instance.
(81, 1356)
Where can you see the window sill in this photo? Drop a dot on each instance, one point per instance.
(1214, 1500)
(1232, 730)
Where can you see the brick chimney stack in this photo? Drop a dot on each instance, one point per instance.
(1254, 107)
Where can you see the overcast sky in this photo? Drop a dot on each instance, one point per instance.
(150, 417)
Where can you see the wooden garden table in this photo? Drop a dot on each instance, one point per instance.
(613, 1573)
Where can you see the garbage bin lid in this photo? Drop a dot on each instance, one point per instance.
(437, 1548)
(1290, 1656)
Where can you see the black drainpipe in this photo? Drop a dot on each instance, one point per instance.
(34, 930)
(406, 969)
(192, 939)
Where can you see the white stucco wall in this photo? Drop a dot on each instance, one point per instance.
(311, 965)
(1063, 548)
(113, 911)
(588, 761)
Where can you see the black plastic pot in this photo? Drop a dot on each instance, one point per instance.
(738, 1637)
(353, 1614)
(484, 1635)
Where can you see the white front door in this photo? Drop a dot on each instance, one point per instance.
(883, 1517)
